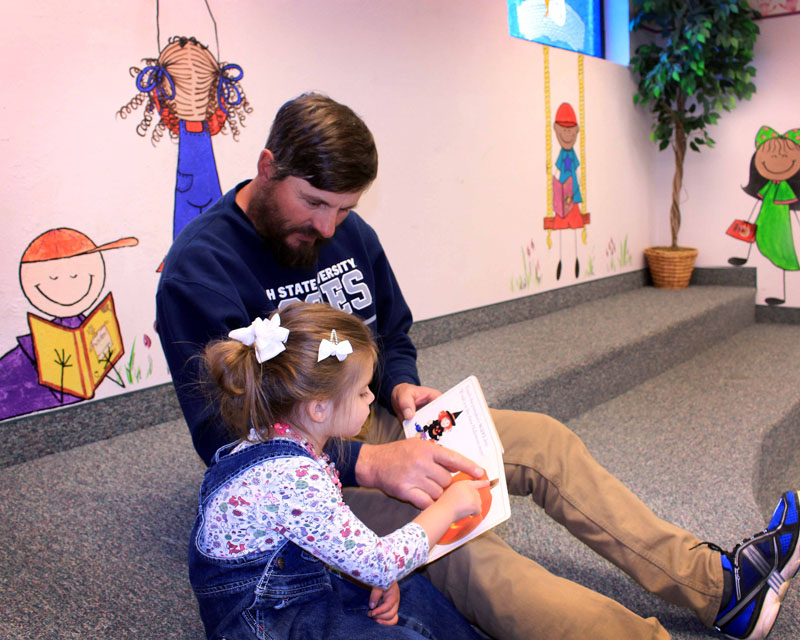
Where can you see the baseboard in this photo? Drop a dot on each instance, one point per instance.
(33, 436)
(777, 315)
(745, 277)
(724, 276)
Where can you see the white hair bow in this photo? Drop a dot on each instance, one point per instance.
(333, 347)
(267, 337)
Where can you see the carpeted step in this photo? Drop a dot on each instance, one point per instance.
(566, 362)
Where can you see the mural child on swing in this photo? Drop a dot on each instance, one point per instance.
(566, 187)
(775, 181)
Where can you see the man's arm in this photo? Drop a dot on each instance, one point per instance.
(410, 470)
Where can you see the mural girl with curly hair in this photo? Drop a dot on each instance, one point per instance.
(193, 96)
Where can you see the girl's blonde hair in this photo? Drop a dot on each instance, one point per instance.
(256, 395)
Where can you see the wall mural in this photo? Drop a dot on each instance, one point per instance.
(77, 343)
(566, 211)
(775, 183)
(194, 96)
(566, 216)
(566, 190)
(769, 8)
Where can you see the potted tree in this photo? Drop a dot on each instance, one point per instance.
(693, 63)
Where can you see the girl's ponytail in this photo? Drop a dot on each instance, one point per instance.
(233, 369)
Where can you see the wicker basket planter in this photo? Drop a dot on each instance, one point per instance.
(671, 268)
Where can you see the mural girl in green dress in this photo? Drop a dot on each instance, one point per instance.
(775, 180)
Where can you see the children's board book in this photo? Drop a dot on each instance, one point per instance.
(459, 419)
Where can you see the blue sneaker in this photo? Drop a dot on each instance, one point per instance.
(761, 568)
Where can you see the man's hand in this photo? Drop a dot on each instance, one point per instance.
(384, 604)
(407, 398)
(413, 470)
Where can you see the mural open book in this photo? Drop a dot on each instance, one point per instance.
(459, 419)
(76, 360)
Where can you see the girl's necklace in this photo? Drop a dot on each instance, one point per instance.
(285, 431)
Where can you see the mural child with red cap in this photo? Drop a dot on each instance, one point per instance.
(62, 274)
(566, 187)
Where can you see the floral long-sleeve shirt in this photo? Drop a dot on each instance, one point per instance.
(298, 498)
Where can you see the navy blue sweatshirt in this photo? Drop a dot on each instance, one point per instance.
(219, 275)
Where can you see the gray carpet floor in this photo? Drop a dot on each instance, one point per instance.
(94, 537)
(709, 445)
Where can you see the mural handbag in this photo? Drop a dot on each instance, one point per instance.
(742, 230)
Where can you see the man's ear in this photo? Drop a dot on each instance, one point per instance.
(318, 410)
(266, 164)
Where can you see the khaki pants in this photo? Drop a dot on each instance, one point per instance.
(511, 596)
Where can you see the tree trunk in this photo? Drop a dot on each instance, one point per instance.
(677, 181)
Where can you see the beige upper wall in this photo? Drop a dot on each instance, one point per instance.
(457, 107)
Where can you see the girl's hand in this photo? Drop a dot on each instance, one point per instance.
(459, 500)
(384, 604)
(463, 498)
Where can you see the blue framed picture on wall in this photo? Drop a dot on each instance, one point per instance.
(575, 25)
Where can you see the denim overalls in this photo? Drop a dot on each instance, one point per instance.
(287, 593)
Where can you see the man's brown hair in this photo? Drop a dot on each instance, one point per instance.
(319, 140)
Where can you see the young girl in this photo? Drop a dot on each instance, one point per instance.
(275, 552)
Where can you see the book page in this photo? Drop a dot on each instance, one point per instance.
(102, 339)
(459, 419)
(560, 193)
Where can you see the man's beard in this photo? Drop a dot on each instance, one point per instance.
(274, 231)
